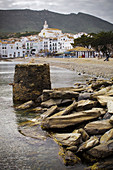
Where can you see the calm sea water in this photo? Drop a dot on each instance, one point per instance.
(18, 152)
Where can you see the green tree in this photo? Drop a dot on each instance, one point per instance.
(102, 41)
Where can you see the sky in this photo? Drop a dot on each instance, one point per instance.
(99, 8)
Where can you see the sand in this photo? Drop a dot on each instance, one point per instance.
(91, 66)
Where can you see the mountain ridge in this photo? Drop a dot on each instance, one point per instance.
(20, 20)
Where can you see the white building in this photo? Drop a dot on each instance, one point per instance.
(11, 49)
(49, 40)
(54, 40)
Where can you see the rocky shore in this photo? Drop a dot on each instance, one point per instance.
(79, 119)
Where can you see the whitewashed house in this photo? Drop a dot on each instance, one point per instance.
(11, 49)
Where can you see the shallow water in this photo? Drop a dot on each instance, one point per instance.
(16, 150)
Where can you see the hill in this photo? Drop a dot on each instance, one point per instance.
(29, 20)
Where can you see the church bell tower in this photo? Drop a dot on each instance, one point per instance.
(45, 25)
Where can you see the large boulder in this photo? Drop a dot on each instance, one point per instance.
(76, 118)
(98, 127)
(30, 80)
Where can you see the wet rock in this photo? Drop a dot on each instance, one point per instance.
(30, 80)
(98, 127)
(103, 150)
(26, 105)
(69, 158)
(107, 136)
(93, 141)
(69, 120)
(105, 165)
(72, 148)
(30, 129)
(85, 105)
(39, 110)
(68, 139)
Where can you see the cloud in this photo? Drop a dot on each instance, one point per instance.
(99, 8)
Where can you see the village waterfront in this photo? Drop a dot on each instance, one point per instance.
(19, 151)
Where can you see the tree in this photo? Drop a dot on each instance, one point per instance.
(102, 41)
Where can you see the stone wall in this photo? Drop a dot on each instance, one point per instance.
(29, 81)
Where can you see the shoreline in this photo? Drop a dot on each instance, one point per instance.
(92, 66)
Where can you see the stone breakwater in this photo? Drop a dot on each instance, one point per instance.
(79, 119)
(30, 80)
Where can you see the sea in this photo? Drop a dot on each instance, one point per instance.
(21, 152)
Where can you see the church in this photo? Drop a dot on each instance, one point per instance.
(53, 40)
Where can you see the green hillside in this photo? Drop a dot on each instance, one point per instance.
(29, 20)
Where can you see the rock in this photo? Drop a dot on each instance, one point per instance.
(68, 139)
(101, 92)
(66, 102)
(103, 150)
(65, 95)
(26, 105)
(85, 105)
(67, 110)
(93, 141)
(59, 94)
(29, 81)
(96, 85)
(107, 136)
(46, 94)
(51, 102)
(84, 96)
(39, 110)
(98, 127)
(107, 116)
(69, 158)
(104, 165)
(103, 100)
(30, 129)
(111, 120)
(70, 120)
(102, 111)
(110, 106)
(49, 112)
(72, 148)
(84, 134)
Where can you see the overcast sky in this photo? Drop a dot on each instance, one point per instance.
(100, 8)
